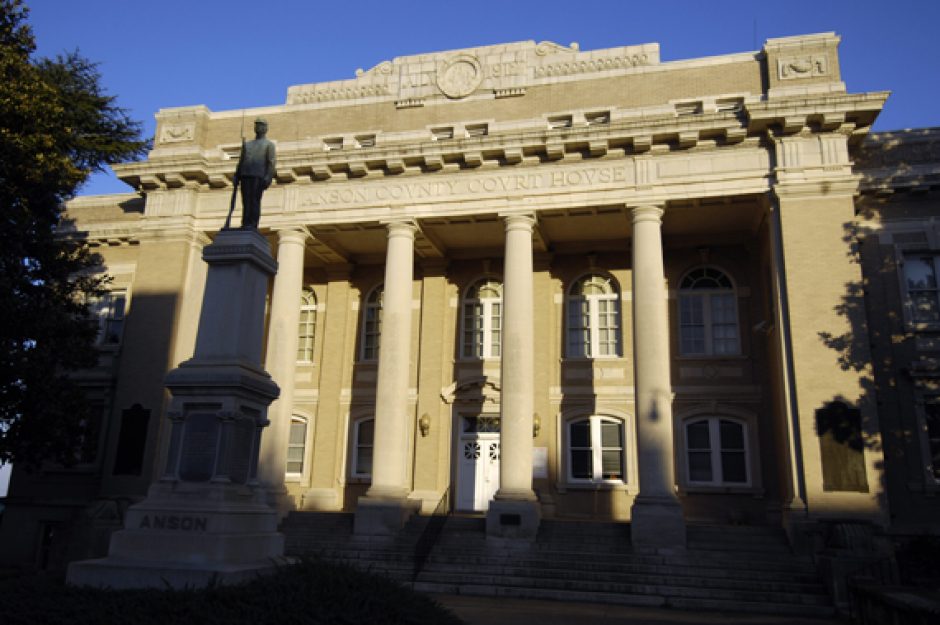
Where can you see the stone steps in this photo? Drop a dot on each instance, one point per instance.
(742, 569)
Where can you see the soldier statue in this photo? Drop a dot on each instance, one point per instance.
(254, 174)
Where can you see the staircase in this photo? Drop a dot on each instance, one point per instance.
(740, 569)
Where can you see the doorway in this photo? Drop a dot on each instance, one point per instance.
(477, 450)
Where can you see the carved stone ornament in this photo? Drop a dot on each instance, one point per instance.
(806, 66)
(460, 76)
(177, 133)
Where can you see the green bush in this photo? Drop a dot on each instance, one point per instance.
(310, 592)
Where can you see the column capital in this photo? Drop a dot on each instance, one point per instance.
(519, 221)
(647, 212)
(400, 227)
(292, 234)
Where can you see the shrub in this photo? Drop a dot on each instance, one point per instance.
(310, 592)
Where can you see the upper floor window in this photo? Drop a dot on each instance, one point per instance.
(482, 319)
(596, 450)
(296, 446)
(110, 309)
(362, 445)
(372, 324)
(307, 326)
(920, 279)
(716, 452)
(593, 318)
(708, 314)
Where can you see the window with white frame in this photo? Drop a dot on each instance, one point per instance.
(362, 445)
(716, 452)
(932, 433)
(307, 325)
(593, 318)
(482, 319)
(372, 325)
(110, 308)
(923, 291)
(296, 446)
(596, 450)
(708, 314)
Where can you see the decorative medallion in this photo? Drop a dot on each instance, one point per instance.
(494, 451)
(460, 76)
(471, 451)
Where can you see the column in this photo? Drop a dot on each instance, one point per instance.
(280, 362)
(515, 512)
(656, 517)
(385, 507)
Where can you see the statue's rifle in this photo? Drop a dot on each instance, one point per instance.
(231, 208)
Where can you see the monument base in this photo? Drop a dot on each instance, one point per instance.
(187, 534)
(657, 524)
(383, 517)
(513, 519)
(119, 574)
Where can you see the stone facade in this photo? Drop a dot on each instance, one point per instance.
(576, 284)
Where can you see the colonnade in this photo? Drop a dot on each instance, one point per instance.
(656, 516)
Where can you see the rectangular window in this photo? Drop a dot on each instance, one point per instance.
(473, 330)
(920, 277)
(692, 325)
(932, 409)
(561, 121)
(477, 130)
(295, 446)
(442, 134)
(596, 450)
(599, 118)
(333, 143)
(110, 309)
(724, 324)
(365, 435)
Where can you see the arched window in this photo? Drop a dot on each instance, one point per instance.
(593, 318)
(296, 446)
(708, 314)
(372, 324)
(363, 439)
(308, 325)
(482, 319)
(596, 450)
(716, 451)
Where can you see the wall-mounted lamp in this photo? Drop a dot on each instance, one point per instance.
(424, 424)
(536, 425)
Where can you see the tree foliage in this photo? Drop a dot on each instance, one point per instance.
(57, 126)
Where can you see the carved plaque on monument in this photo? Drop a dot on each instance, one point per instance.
(200, 441)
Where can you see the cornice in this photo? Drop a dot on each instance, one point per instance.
(624, 134)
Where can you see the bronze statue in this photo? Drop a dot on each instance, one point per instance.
(254, 174)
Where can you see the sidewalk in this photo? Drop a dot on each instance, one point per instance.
(506, 611)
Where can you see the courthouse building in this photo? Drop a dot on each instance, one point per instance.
(568, 284)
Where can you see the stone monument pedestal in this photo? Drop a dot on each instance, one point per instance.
(207, 517)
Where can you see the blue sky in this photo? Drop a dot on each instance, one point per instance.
(235, 53)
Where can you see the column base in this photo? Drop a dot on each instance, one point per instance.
(383, 517)
(322, 499)
(657, 524)
(513, 519)
(280, 500)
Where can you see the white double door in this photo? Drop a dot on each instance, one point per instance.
(477, 462)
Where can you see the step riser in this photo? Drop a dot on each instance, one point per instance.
(734, 569)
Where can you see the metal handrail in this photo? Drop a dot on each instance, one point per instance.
(431, 533)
